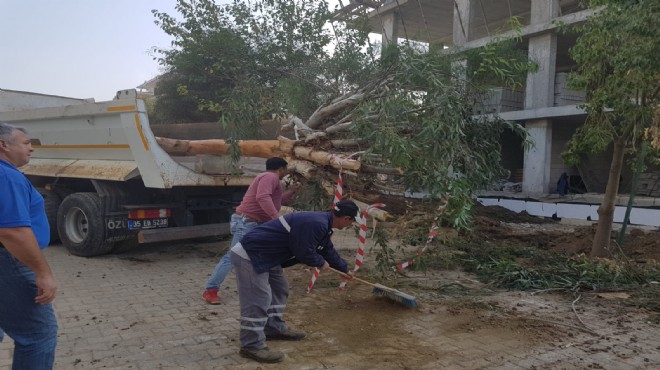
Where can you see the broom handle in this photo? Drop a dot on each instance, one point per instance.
(354, 278)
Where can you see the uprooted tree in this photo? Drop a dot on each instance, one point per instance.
(402, 120)
(617, 55)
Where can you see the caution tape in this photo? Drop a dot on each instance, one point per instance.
(362, 237)
(420, 251)
(315, 275)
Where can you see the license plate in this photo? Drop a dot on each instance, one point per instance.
(151, 223)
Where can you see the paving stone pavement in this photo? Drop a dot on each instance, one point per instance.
(143, 310)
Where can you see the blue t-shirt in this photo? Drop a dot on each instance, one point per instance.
(21, 205)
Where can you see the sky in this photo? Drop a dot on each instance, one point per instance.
(79, 48)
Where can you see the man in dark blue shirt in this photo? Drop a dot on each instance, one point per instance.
(301, 237)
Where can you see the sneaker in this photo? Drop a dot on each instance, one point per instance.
(290, 334)
(262, 355)
(211, 296)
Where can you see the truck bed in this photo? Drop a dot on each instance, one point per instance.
(113, 141)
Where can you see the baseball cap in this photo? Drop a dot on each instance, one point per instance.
(346, 208)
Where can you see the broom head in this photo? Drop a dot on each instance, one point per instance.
(395, 295)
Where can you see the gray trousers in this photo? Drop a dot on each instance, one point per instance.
(262, 298)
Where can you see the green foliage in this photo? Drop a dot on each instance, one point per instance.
(501, 62)
(173, 104)
(385, 253)
(312, 197)
(526, 267)
(245, 61)
(618, 67)
(248, 60)
(424, 123)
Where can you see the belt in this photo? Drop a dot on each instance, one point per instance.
(248, 218)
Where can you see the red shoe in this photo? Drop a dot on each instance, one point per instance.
(211, 296)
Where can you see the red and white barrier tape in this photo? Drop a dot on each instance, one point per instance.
(315, 275)
(432, 233)
(362, 237)
(339, 190)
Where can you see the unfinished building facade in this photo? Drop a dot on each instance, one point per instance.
(547, 108)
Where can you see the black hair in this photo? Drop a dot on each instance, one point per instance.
(346, 208)
(275, 163)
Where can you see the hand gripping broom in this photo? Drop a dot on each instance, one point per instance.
(381, 290)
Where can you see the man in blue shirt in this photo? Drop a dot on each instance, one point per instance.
(300, 237)
(27, 285)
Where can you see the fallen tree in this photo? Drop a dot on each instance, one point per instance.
(397, 122)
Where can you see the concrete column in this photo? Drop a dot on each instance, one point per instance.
(536, 168)
(539, 93)
(544, 10)
(540, 89)
(390, 28)
(462, 24)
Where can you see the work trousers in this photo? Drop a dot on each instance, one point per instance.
(262, 298)
(32, 326)
(238, 226)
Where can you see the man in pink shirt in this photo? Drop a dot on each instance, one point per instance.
(261, 203)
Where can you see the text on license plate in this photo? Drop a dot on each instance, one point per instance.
(148, 223)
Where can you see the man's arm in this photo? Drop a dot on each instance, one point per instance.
(303, 241)
(333, 258)
(22, 244)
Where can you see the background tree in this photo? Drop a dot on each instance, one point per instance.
(617, 56)
(408, 113)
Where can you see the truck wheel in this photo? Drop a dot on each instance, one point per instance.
(51, 204)
(80, 225)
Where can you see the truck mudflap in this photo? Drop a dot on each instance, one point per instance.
(181, 233)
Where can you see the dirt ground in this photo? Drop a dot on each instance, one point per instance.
(641, 245)
(462, 323)
(142, 310)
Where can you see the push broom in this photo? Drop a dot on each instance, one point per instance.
(381, 290)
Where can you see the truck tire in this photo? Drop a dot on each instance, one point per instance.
(80, 225)
(51, 203)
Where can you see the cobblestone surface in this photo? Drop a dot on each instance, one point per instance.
(143, 310)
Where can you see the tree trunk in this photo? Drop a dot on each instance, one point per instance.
(601, 243)
(325, 158)
(323, 113)
(282, 147)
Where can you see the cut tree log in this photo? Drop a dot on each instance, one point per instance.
(282, 147)
(325, 158)
(376, 213)
(304, 168)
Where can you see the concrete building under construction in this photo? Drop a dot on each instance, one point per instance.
(546, 107)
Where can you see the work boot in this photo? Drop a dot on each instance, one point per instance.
(210, 295)
(262, 355)
(290, 334)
